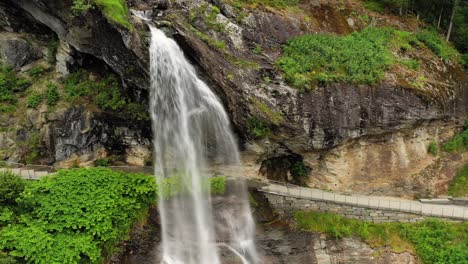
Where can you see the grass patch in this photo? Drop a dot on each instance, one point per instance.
(433, 148)
(411, 64)
(459, 186)
(275, 117)
(360, 57)
(374, 5)
(34, 100)
(433, 240)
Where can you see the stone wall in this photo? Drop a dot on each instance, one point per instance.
(287, 205)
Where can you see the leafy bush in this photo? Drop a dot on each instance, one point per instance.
(458, 143)
(105, 93)
(361, 57)
(51, 95)
(438, 242)
(137, 112)
(433, 240)
(10, 84)
(374, 5)
(37, 71)
(77, 216)
(299, 169)
(218, 185)
(108, 94)
(11, 186)
(52, 47)
(411, 64)
(34, 100)
(437, 44)
(433, 148)
(104, 162)
(258, 128)
(459, 186)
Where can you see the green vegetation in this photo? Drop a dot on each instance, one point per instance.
(52, 47)
(11, 186)
(105, 93)
(438, 45)
(51, 94)
(180, 184)
(10, 84)
(459, 186)
(361, 57)
(411, 64)
(257, 49)
(77, 216)
(270, 3)
(458, 143)
(258, 128)
(37, 71)
(433, 240)
(115, 11)
(34, 100)
(299, 169)
(207, 13)
(374, 5)
(104, 162)
(218, 44)
(137, 112)
(275, 117)
(433, 148)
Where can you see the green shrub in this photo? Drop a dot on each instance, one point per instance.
(77, 216)
(433, 148)
(438, 45)
(52, 47)
(257, 128)
(104, 162)
(10, 84)
(11, 186)
(458, 143)
(257, 49)
(433, 240)
(108, 94)
(37, 71)
(51, 95)
(374, 5)
(361, 57)
(459, 186)
(137, 111)
(218, 185)
(299, 169)
(34, 100)
(411, 64)
(105, 93)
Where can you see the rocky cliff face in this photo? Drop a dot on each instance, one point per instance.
(351, 138)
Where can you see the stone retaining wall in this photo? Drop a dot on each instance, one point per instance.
(287, 205)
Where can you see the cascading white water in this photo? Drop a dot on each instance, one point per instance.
(192, 131)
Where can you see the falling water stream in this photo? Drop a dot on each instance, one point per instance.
(191, 132)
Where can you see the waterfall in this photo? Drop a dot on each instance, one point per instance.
(191, 132)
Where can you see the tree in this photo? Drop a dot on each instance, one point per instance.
(454, 9)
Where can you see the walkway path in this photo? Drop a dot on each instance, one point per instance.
(385, 203)
(35, 172)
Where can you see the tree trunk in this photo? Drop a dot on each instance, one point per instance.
(454, 9)
(440, 17)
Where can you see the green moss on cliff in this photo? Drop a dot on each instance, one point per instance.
(459, 186)
(115, 11)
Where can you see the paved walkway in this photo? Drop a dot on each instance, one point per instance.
(28, 174)
(288, 190)
(387, 203)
